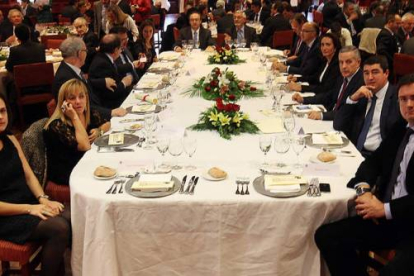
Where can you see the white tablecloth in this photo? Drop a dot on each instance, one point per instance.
(215, 231)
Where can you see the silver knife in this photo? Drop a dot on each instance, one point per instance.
(117, 149)
(189, 184)
(194, 184)
(182, 184)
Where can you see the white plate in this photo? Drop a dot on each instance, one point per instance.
(105, 177)
(275, 169)
(314, 159)
(206, 176)
(129, 128)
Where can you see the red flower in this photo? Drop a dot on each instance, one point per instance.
(218, 48)
(213, 83)
(236, 107)
(219, 104)
(208, 88)
(252, 88)
(227, 47)
(217, 71)
(232, 97)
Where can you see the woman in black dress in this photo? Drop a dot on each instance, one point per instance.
(144, 47)
(70, 130)
(26, 213)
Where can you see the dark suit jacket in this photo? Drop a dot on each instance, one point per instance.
(402, 37)
(308, 62)
(225, 23)
(272, 24)
(30, 11)
(29, 52)
(65, 73)
(332, 74)
(249, 34)
(125, 68)
(6, 31)
(264, 15)
(375, 22)
(295, 44)
(340, 17)
(408, 47)
(329, 98)
(387, 45)
(350, 118)
(91, 41)
(125, 7)
(100, 69)
(330, 11)
(376, 170)
(204, 37)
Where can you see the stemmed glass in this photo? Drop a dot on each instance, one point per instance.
(149, 122)
(265, 143)
(230, 42)
(298, 146)
(190, 147)
(242, 42)
(163, 144)
(255, 47)
(282, 146)
(289, 121)
(175, 149)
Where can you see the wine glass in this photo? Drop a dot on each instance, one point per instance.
(298, 145)
(148, 127)
(265, 143)
(175, 149)
(190, 147)
(242, 42)
(263, 59)
(162, 97)
(163, 144)
(230, 42)
(197, 44)
(289, 121)
(281, 146)
(255, 47)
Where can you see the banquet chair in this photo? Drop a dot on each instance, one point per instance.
(53, 43)
(45, 38)
(51, 106)
(63, 20)
(176, 33)
(60, 193)
(156, 20)
(403, 65)
(375, 260)
(33, 85)
(283, 39)
(27, 255)
(318, 18)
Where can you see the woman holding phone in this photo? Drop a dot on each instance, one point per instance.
(71, 130)
(26, 213)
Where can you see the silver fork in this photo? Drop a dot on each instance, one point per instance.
(113, 186)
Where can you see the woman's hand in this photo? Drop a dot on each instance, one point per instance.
(42, 211)
(56, 207)
(68, 110)
(93, 134)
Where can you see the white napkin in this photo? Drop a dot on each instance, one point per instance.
(271, 125)
(116, 139)
(283, 183)
(169, 55)
(329, 138)
(153, 182)
(144, 108)
(285, 188)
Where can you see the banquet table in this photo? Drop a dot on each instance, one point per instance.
(214, 231)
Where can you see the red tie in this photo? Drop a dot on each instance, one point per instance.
(407, 37)
(341, 95)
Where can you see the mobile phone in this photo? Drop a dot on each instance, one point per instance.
(63, 107)
(325, 187)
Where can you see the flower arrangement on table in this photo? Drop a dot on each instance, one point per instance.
(4, 55)
(225, 55)
(220, 84)
(226, 118)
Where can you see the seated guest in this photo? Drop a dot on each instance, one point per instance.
(26, 213)
(349, 19)
(350, 81)
(310, 60)
(123, 5)
(405, 32)
(116, 17)
(330, 10)
(384, 219)
(27, 51)
(71, 130)
(297, 22)
(274, 23)
(219, 12)
(70, 11)
(141, 10)
(195, 32)
(89, 37)
(342, 33)
(126, 64)
(27, 9)
(371, 111)
(73, 53)
(377, 20)
(144, 47)
(329, 72)
(226, 22)
(408, 47)
(240, 31)
(401, 7)
(387, 41)
(7, 31)
(103, 75)
(259, 14)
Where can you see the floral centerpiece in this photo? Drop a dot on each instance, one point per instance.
(220, 84)
(3, 55)
(226, 118)
(225, 55)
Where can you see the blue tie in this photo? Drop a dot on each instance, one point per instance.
(240, 35)
(367, 123)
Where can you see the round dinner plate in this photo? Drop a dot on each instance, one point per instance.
(157, 110)
(208, 177)
(105, 177)
(174, 189)
(258, 185)
(131, 128)
(129, 140)
(308, 140)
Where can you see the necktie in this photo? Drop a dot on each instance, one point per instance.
(341, 94)
(256, 18)
(367, 123)
(397, 164)
(240, 35)
(407, 37)
(195, 39)
(298, 46)
(134, 73)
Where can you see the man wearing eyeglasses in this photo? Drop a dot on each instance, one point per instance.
(384, 219)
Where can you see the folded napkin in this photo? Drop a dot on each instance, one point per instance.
(329, 138)
(285, 188)
(280, 183)
(144, 108)
(271, 125)
(116, 139)
(153, 182)
(307, 94)
(146, 98)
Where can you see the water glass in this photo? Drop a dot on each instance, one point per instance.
(281, 145)
(163, 145)
(255, 47)
(190, 147)
(265, 143)
(149, 121)
(242, 42)
(298, 146)
(289, 121)
(175, 149)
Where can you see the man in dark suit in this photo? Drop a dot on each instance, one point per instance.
(408, 47)
(387, 41)
(274, 23)
(7, 31)
(240, 31)
(334, 99)
(259, 14)
(73, 52)
(405, 32)
(27, 8)
(330, 10)
(384, 219)
(89, 38)
(377, 20)
(370, 113)
(349, 19)
(27, 51)
(103, 74)
(298, 46)
(123, 5)
(227, 21)
(99, 17)
(310, 61)
(195, 32)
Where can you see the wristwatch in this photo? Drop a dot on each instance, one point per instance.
(362, 190)
(43, 196)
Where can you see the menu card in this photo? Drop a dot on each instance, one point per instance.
(328, 138)
(153, 182)
(283, 183)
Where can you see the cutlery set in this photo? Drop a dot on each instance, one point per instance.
(190, 186)
(242, 183)
(113, 189)
(314, 190)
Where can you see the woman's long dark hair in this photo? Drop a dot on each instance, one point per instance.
(7, 131)
(145, 23)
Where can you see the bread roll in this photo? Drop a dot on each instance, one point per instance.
(103, 171)
(326, 156)
(217, 173)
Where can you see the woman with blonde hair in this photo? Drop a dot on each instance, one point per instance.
(116, 17)
(70, 130)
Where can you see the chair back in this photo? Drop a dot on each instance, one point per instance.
(156, 19)
(27, 255)
(318, 18)
(403, 65)
(63, 20)
(60, 193)
(176, 33)
(34, 149)
(368, 40)
(53, 43)
(45, 38)
(283, 39)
